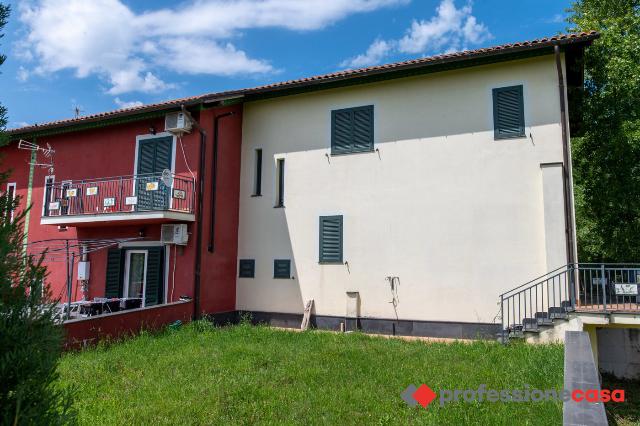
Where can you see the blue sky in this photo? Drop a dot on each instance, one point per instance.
(102, 55)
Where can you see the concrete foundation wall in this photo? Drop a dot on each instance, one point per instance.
(619, 352)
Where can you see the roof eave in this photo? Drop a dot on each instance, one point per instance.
(461, 59)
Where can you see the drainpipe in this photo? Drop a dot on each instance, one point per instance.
(201, 175)
(567, 175)
(214, 178)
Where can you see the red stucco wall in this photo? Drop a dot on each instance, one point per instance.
(88, 331)
(110, 151)
(219, 268)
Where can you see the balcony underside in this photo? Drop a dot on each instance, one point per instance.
(118, 219)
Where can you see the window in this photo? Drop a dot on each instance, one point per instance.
(330, 239)
(247, 268)
(280, 183)
(257, 183)
(508, 112)
(282, 268)
(48, 194)
(352, 130)
(154, 155)
(11, 196)
(136, 274)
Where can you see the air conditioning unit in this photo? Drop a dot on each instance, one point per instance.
(177, 122)
(174, 234)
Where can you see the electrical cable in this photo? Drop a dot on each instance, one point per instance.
(184, 156)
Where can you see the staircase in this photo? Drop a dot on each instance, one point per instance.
(544, 301)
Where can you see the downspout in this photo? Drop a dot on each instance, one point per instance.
(214, 179)
(566, 169)
(201, 176)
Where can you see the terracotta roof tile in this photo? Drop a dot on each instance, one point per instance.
(583, 37)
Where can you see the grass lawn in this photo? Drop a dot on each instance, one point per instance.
(200, 374)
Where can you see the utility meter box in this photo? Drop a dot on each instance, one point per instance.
(83, 270)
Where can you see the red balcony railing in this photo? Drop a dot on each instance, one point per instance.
(120, 194)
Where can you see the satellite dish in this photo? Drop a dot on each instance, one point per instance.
(167, 177)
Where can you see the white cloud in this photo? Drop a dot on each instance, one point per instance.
(558, 18)
(221, 18)
(177, 54)
(449, 30)
(374, 54)
(23, 74)
(127, 104)
(133, 77)
(129, 50)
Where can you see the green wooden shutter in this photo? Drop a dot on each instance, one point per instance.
(352, 130)
(330, 239)
(113, 282)
(340, 132)
(163, 154)
(508, 112)
(155, 276)
(146, 155)
(247, 268)
(282, 268)
(363, 129)
(154, 156)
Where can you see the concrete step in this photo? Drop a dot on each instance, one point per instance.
(530, 324)
(516, 335)
(543, 318)
(567, 305)
(557, 313)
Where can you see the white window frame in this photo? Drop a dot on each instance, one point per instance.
(12, 185)
(127, 270)
(44, 191)
(167, 255)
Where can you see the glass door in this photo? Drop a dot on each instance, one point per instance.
(135, 274)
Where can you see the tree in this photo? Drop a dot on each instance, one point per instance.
(607, 155)
(30, 338)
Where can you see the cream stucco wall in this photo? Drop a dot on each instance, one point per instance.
(458, 216)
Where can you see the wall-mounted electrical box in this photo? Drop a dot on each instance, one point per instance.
(83, 270)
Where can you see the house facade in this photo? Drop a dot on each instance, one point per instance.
(401, 199)
(104, 189)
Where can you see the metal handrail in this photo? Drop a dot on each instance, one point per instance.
(114, 178)
(119, 194)
(597, 287)
(537, 278)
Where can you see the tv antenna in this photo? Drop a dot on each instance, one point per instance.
(48, 152)
(77, 111)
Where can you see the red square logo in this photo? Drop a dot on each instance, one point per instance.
(424, 395)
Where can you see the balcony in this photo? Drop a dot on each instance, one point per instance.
(120, 200)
